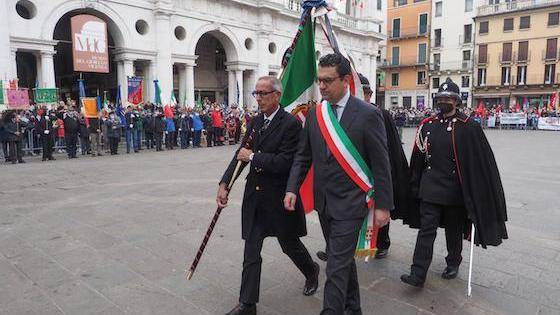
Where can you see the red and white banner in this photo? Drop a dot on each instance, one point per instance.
(89, 44)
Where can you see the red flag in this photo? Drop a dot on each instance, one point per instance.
(552, 103)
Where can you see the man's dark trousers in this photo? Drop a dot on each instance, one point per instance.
(251, 275)
(342, 239)
(430, 215)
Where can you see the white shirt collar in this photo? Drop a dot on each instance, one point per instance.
(344, 100)
(272, 115)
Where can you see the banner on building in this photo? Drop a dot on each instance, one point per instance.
(135, 92)
(89, 104)
(549, 123)
(46, 96)
(89, 44)
(513, 119)
(18, 99)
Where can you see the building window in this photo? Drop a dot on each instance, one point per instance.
(379, 5)
(423, 24)
(466, 59)
(439, 8)
(468, 5)
(465, 81)
(422, 52)
(420, 102)
(506, 52)
(437, 39)
(549, 73)
(407, 101)
(395, 56)
(483, 27)
(553, 18)
(483, 53)
(525, 22)
(400, 2)
(437, 62)
(396, 28)
(421, 78)
(521, 75)
(523, 51)
(394, 101)
(508, 24)
(506, 75)
(467, 34)
(435, 82)
(394, 79)
(551, 48)
(481, 77)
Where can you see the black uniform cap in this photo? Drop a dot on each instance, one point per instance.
(449, 89)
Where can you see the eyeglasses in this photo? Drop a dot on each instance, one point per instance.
(327, 81)
(261, 93)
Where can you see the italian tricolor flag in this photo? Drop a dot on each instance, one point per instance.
(300, 88)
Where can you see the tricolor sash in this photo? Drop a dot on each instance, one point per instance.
(355, 167)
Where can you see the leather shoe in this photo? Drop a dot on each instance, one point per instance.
(381, 253)
(243, 309)
(322, 255)
(312, 283)
(450, 272)
(412, 280)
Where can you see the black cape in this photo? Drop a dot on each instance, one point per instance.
(400, 173)
(480, 181)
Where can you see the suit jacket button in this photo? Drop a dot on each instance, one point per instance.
(257, 188)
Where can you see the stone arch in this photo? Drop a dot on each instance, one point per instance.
(226, 37)
(115, 23)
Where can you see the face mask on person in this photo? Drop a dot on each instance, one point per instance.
(445, 108)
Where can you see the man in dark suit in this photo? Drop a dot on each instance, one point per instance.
(341, 204)
(269, 147)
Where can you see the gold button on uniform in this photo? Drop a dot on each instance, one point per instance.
(257, 188)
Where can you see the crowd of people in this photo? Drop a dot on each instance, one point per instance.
(65, 129)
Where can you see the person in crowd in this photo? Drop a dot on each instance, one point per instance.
(197, 127)
(149, 129)
(71, 130)
(95, 135)
(84, 136)
(184, 129)
(169, 133)
(46, 127)
(130, 117)
(160, 127)
(114, 126)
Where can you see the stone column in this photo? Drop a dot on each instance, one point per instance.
(164, 65)
(150, 90)
(239, 82)
(47, 69)
(13, 62)
(7, 62)
(232, 88)
(189, 76)
(264, 54)
(128, 71)
(182, 84)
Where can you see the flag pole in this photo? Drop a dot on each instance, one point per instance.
(469, 286)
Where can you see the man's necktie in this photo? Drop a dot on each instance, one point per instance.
(266, 123)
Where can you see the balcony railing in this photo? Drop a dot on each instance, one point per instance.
(514, 6)
(452, 66)
(405, 61)
(411, 32)
(522, 59)
(481, 60)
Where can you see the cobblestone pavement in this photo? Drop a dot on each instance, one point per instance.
(112, 235)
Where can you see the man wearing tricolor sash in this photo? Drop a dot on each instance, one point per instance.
(345, 140)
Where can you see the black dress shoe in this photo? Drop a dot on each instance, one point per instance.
(322, 255)
(243, 309)
(412, 280)
(312, 283)
(381, 253)
(450, 272)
